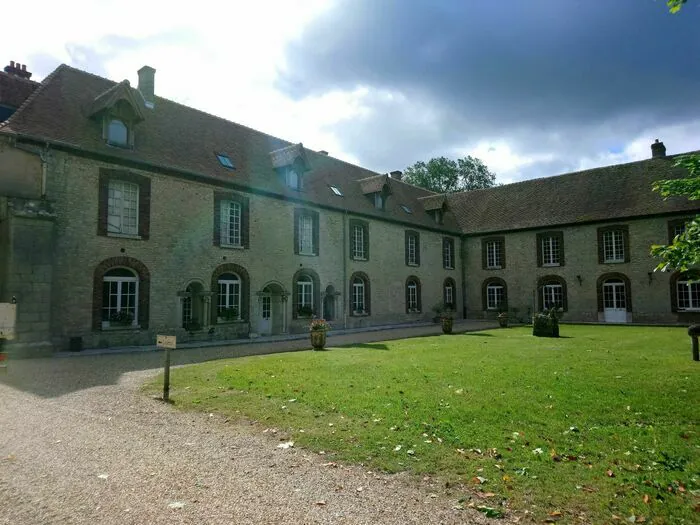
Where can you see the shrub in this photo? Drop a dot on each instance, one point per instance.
(318, 325)
(546, 324)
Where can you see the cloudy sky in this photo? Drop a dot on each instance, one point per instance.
(532, 88)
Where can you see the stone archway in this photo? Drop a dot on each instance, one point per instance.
(330, 303)
(272, 309)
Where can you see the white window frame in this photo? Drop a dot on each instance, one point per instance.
(412, 296)
(494, 254)
(293, 179)
(118, 212)
(306, 234)
(688, 292)
(551, 251)
(378, 201)
(449, 294)
(412, 249)
(358, 233)
(679, 229)
(114, 126)
(611, 295)
(230, 223)
(493, 293)
(614, 246)
(305, 292)
(550, 292)
(229, 295)
(447, 255)
(121, 281)
(358, 296)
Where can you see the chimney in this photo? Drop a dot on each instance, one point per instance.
(658, 150)
(323, 152)
(17, 69)
(147, 85)
(398, 175)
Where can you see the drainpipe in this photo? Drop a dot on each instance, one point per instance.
(44, 156)
(345, 271)
(463, 261)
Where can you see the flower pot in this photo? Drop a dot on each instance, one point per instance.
(503, 322)
(318, 339)
(446, 325)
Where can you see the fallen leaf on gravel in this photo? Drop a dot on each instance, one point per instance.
(479, 480)
(359, 489)
(610, 473)
(103, 476)
(485, 494)
(320, 503)
(646, 498)
(331, 464)
(57, 442)
(286, 445)
(176, 505)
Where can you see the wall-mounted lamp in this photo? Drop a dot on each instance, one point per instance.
(651, 276)
(580, 280)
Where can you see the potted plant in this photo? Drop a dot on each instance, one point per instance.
(228, 314)
(305, 311)
(502, 319)
(447, 320)
(546, 324)
(317, 331)
(121, 318)
(193, 326)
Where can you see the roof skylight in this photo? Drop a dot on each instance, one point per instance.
(337, 191)
(225, 161)
(406, 208)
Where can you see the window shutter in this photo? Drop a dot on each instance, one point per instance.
(601, 255)
(418, 296)
(562, 252)
(405, 246)
(217, 220)
(368, 295)
(418, 255)
(144, 207)
(245, 222)
(316, 232)
(626, 242)
(297, 214)
(365, 241)
(103, 198)
(353, 224)
(483, 256)
(538, 248)
(502, 241)
(405, 286)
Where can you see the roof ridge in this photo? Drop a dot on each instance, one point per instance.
(16, 77)
(432, 193)
(42, 86)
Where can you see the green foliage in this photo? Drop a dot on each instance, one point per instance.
(444, 175)
(540, 421)
(684, 251)
(675, 5)
(546, 324)
(121, 317)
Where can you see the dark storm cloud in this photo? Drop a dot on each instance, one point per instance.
(577, 74)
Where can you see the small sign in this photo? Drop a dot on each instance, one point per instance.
(166, 341)
(8, 314)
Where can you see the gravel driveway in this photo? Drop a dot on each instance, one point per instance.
(80, 444)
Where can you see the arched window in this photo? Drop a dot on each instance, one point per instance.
(551, 293)
(449, 297)
(306, 294)
(413, 295)
(229, 299)
(117, 133)
(359, 294)
(494, 294)
(685, 291)
(230, 281)
(614, 293)
(120, 294)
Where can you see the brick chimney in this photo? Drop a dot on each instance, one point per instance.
(147, 76)
(658, 150)
(398, 175)
(17, 69)
(323, 152)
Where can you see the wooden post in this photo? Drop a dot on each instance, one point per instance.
(166, 342)
(694, 332)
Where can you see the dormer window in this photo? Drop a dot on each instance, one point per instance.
(117, 133)
(378, 201)
(293, 179)
(438, 216)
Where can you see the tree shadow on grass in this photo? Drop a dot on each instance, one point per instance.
(476, 334)
(369, 346)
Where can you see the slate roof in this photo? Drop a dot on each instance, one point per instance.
(180, 138)
(613, 192)
(15, 90)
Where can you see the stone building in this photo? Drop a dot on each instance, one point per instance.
(125, 215)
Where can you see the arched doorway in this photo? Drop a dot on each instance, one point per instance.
(272, 317)
(194, 306)
(614, 301)
(329, 300)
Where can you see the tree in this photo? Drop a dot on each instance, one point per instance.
(684, 251)
(675, 5)
(444, 175)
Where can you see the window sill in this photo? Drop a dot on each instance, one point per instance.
(232, 246)
(494, 267)
(308, 254)
(551, 265)
(359, 314)
(412, 264)
(229, 321)
(614, 262)
(359, 258)
(413, 311)
(136, 237)
(448, 267)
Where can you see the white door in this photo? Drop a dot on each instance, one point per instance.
(265, 326)
(614, 301)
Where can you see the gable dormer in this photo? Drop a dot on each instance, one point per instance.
(377, 189)
(291, 164)
(435, 206)
(119, 111)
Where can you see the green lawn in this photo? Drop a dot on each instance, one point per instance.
(601, 423)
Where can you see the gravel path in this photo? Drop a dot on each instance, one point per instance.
(80, 444)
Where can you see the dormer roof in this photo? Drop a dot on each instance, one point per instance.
(121, 92)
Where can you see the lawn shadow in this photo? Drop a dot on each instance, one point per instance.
(476, 334)
(370, 346)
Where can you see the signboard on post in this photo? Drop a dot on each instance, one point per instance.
(167, 342)
(8, 316)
